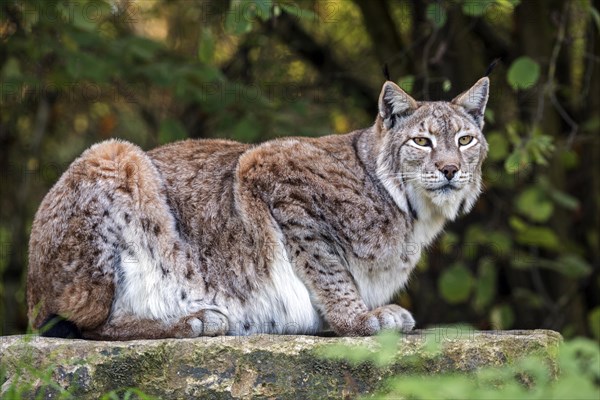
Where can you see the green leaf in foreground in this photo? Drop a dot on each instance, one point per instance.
(206, 47)
(523, 73)
(455, 284)
(534, 204)
(594, 322)
(485, 289)
(531, 377)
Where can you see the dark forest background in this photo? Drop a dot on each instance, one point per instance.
(73, 73)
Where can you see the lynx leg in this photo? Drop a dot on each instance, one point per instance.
(202, 323)
(323, 271)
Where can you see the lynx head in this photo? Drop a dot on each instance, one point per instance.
(432, 151)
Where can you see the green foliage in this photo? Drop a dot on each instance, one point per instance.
(530, 377)
(295, 10)
(161, 71)
(29, 382)
(206, 47)
(455, 284)
(485, 289)
(385, 350)
(436, 13)
(477, 8)
(594, 322)
(534, 204)
(407, 82)
(523, 73)
(502, 317)
(126, 394)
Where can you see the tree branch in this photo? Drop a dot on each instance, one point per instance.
(384, 36)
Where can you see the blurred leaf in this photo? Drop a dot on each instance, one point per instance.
(237, 22)
(591, 125)
(516, 161)
(534, 235)
(352, 354)
(206, 47)
(485, 287)
(160, 73)
(476, 8)
(143, 49)
(475, 234)
(86, 66)
(523, 260)
(534, 204)
(263, 9)
(569, 159)
(423, 263)
(540, 237)
(448, 242)
(527, 297)
(12, 69)
(455, 284)
(540, 146)
(499, 242)
(573, 266)
(564, 200)
(523, 73)
(595, 16)
(296, 11)
(498, 146)
(388, 342)
(171, 130)
(594, 322)
(436, 13)
(489, 115)
(517, 223)
(447, 85)
(502, 317)
(407, 82)
(87, 15)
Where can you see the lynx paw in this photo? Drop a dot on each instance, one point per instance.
(208, 323)
(386, 317)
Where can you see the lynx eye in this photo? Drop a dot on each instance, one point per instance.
(465, 140)
(422, 141)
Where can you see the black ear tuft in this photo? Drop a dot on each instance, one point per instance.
(386, 72)
(491, 67)
(58, 327)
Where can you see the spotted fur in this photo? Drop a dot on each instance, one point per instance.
(211, 237)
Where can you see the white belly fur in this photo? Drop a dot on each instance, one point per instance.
(141, 288)
(283, 306)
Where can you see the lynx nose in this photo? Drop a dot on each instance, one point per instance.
(449, 171)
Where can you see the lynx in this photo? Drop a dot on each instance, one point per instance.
(291, 236)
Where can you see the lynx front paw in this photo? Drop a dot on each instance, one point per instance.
(386, 317)
(207, 323)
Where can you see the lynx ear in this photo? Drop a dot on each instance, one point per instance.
(394, 101)
(475, 99)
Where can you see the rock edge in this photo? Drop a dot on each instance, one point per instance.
(262, 366)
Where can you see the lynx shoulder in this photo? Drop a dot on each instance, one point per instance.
(213, 237)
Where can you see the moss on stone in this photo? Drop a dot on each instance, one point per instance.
(260, 367)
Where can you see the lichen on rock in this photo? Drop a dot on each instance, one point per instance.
(244, 367)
